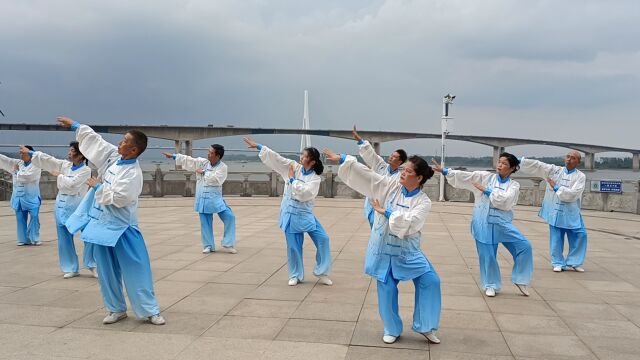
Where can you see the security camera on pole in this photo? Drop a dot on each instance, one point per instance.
(447, 101)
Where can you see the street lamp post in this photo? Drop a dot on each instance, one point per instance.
(447, 102)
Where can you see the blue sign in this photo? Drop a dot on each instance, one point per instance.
(607, 186)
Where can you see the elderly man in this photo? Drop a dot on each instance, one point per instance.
(379, 166)
(111, 223)
(561, 209)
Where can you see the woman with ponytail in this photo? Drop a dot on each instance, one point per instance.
(302, 183)
(495, 196)
(71, 177)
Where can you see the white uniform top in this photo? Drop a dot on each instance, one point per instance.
(208, 199)
(26, 183)
(409, 212)
(306, 185)
(69, 181)
(561, 205)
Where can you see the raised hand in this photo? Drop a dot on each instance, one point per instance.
(375, 204)
(551, 182)
(167, 155)
(355, 134)
(479, 186)
(64, 121)
(92, 182)
(250, 143)
(292, 171)
(436, 166)
(331, 156)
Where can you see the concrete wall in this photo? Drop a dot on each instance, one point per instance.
(180, 183)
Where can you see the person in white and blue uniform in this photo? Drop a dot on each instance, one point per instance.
(302, 183)
(492, 222)
(211, 173)
(111, 223)
(394, 253)
(391, 169)
(71, 179)
(561, 209)
(25, 198)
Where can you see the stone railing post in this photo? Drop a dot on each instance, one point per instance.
(537, 201)
(158, 178)
(188, 186)
(274, 184)
(328, 184)
(246, 191)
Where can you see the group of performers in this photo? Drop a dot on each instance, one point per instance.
(104, 210)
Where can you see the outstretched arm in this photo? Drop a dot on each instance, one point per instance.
(92, 145)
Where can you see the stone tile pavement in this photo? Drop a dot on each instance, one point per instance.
(225, 306)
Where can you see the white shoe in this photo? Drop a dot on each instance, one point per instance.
(324, 280)
(231, 250)
(114, 317)
(578, 268)
(94, 272)
(431, 337)
(490, 292)
(389, 339)
(21, 244)
(157, 319)
(206, 250)
(69, 275)
(523, 289)
(37, 243)
(557, 268)
(293, 281)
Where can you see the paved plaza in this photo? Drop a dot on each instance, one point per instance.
(226, 306)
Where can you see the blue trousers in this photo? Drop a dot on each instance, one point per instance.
(128, 262)
(206, 229)
(577, 239)
(522, 263)
(427, 306)
(294, 252)
(28, 229)
(67, 252)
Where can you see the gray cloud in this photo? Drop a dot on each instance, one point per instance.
(380, 64)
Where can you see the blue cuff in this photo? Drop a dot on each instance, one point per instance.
(291, 180)
(387, 213)
(556, 187)
(488, 191)
(445, 171)
(343, 157)
(259, 146)
(97, 186)
(31, 152)
(360, 142)
(173, 156)
(75, 125)
(522, 159)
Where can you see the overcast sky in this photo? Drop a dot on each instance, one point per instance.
(558, 70)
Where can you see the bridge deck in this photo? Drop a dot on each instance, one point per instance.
(239, 306)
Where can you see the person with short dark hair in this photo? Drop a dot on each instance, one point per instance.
(561, 209)
(71, 178)
(394, 252)
(390, 168)
(111, 223)
(211, 173)
(302, 183)
(492, 222)
(25, 198)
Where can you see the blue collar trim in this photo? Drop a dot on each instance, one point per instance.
(408, 193)
(501, 180)
(126, 162)
(567, 171)
(74, 168)
(307, 172)
(26, 163)
(392, 172)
